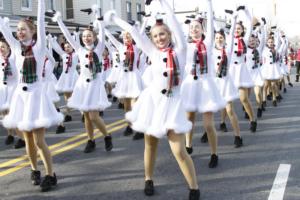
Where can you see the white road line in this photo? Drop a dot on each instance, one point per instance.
(279, 184)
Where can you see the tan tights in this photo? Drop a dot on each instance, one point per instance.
(229, 110)
(177, 145)
(92, 118)
(35, 140)
(246, 103)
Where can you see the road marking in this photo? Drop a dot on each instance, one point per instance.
(279, 184)
(59, 151)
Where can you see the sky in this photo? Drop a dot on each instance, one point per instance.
(287, 16)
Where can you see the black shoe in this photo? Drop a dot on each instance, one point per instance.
(108, 143)
(121, 106)
(213, 163)
(246, 115)
(60, 129)
(269, 97)
(290, 84)
(48, 183)
(9, 140)
(223, 127)
(238, 141)
(109, 96)
(284, 90)
(101, 113)
(264, 103)
(82, 118)
(128, 131)
(149, 188)
(263, 108)
(253, 126)
(189, 150)
(204, 138)
(194, 194)
(68, 118)
(138, 136)
(259, 113)
(90, 146)
(280, 86)
(115, 99)
(280, 97)
(275, 103)
(20, 144)
(35, 177)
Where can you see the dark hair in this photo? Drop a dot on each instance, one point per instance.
(243, 27)
(221, 32)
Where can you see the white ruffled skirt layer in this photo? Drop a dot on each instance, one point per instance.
(240, 76)
(66, 82)
(155, 114)
(31, 109)
(89, 96)
(49, 85)
(129, 85)
(115, 74)
(106, 74)
(284, 69)
(147, 76)
(227, 88)
(257, 77)
(271, 72)
(201, 95)
(6, 93)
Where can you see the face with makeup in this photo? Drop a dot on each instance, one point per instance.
(4, 49)
(219, 40)
(88, 37)
(24, 31)
(252, 42)
(127, 39)
(161, 36)
(239, 29)
(68, 48)
(195, 30)
(270, 43)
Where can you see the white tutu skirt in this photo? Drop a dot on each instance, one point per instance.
(257, 77)
(284, 69)
(155, 114)
(115, 74)
(147, 76)
(227, 88)
(106, 73)
(6, 93)
(66, 82)
(240, 76)
(51, 92)
(31, 109)
(201, 95)
(271, 72)
(129, 85)
(89, 96)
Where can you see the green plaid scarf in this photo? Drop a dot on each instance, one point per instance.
(95, 65)
(256, 59)
(7, 69)
(28, 70)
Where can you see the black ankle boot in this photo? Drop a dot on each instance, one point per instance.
(284, 90)
(246, 115)
(68, 118)
(48, 183)
(121, 106)
(194, 194)
(223, 127)
(149, 188)
(9, 140)
(204, 138)
(35, 177)
(90, 146)
(60, 129)
(269, 97)
(138, 136)
(213, 163)
(20, 144)
(108, 143)
(101, 113)
(275, 103)
(189, 150)
(128, 131)
(259, 113)
(290, 84)
(253, 126)
(238, 142)
(115, 99)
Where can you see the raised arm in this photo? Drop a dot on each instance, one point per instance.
(143, 43)
(101, 36)
(50, 56)
(56, 46)
(209, 36)
(229, 47)
(41, 33)
(248, 26)
(65, 31)
(175, 26)
(109, 46)
(262, 38)
(112, 39)
(7, 33)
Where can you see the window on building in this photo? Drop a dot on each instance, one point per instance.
(1, 4)
(52, 4)
(69, 9)
(128, 10)
(26, 5)
(139, 9)
(112, 4)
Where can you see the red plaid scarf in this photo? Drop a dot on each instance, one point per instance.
(242, 49)
(222, 68)
(129, 57)
(28, 70)
(106, 63)
(200, 54)
(6, 68)
(172, 65)
(69, 62)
